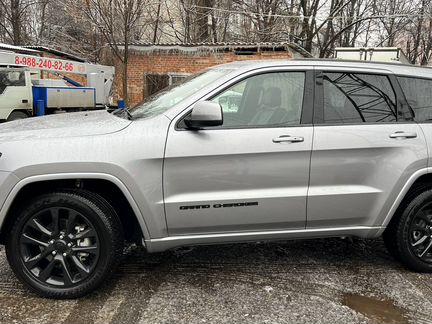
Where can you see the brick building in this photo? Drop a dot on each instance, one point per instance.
(154, 66)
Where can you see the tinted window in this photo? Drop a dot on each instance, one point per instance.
(418, 93)
(264, 100)
(358, 98)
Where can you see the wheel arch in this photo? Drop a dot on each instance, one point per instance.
(108, 186)
(23, 110)
(419, 180)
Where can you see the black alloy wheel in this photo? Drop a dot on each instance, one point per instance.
(420, 237)
(59, 246)
(64, 244)
(409, 235)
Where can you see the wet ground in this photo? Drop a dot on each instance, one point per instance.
(314, 281)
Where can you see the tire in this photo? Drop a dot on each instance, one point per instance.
(72, 258)
(390, 243)
(409, 236)
(15, 115)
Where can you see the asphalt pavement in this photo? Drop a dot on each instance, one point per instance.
(308, 281)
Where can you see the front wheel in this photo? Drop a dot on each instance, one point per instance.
(65, 244)
(16, 115)
(409, 235)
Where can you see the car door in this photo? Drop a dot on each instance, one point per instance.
(364, 148)
(252, 172)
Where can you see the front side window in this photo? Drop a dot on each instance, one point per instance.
(418, 93)
(11, 79)
(271, 99)
(358, 98)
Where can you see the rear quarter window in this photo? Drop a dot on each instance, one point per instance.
(418, 93)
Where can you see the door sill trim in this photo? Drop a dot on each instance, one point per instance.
(169, 242)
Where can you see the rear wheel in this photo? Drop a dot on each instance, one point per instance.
(409, 236)
(15, 115)
(65, 244)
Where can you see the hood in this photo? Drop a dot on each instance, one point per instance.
(62, 125)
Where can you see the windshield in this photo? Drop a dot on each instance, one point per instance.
(170, 96)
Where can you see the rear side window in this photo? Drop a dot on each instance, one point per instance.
(418, 93)
(358, 98)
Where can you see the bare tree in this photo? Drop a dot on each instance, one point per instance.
(13, 24)
(85, 27)
(347, 21)
(417, 34)
(117, 21)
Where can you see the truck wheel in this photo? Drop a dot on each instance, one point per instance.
(65, 244)
(410, 234)
(15, 115)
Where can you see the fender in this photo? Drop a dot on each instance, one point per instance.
(62, 176)
(416, 175)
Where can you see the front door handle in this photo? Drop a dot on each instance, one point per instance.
(288, 139)
(401, 134)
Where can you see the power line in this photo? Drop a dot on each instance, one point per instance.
(251, 13)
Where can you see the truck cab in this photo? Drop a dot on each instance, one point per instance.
(16, 99)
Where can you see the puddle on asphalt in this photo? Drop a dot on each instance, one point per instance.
(381, 311)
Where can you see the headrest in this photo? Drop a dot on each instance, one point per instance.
(272, 97)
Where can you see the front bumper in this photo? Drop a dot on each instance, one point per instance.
(7, 181)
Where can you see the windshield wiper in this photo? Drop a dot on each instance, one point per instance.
(121, 112)
(128, 114)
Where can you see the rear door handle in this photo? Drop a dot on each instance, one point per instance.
(401, 134)
(288, 139)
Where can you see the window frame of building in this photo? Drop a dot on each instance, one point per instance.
(169, 75)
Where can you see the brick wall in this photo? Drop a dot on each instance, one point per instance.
(141, 63)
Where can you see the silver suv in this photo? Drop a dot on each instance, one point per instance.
(248, 151)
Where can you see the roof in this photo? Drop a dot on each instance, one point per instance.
(18, 49)
(397, 68)
(56, 52)
(219, 46)
(38, 50)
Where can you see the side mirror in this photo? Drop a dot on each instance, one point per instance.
(205, 114)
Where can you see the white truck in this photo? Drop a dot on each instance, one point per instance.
(24, 93)
(377, 54)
